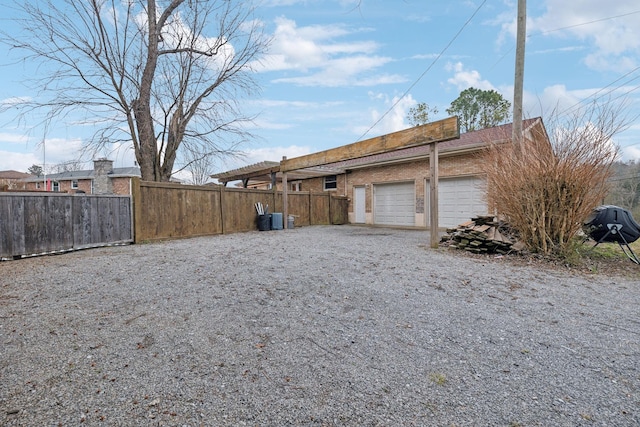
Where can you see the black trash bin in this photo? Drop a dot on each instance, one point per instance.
(264, 222)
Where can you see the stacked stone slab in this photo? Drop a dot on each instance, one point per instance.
(482, 234)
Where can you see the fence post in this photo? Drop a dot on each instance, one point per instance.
(222, 196)
(136, 209)
(330, 210)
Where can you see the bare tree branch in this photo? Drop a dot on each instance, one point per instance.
(165, 76)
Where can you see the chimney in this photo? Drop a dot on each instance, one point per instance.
(101, 181)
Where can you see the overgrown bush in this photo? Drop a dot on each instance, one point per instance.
(547, 186)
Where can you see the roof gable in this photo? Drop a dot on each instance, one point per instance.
(11, 174)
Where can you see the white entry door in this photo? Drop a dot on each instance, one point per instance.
(359, 195)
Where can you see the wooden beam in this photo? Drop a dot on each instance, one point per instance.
(433, 193)
(442, 130)
(285, 197)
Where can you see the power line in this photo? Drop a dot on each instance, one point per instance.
(564, 28)
(425, 71)
(587, 23)
(626, 178)
(593, 95)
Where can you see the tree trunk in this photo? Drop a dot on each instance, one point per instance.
(175, 133)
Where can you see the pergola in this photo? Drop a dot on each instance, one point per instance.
(270, 172)
(318, 164)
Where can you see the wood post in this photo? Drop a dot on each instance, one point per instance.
(285, 199)
(519, 73)
(136, 210)
(222, 196)
(433, 193)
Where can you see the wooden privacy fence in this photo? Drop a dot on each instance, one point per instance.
(36, 223)
(39, 222)
(168, 210)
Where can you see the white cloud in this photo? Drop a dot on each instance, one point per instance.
(553, 98)
(261, 154)
(393, 120)
(20, 162)
(13, 138)
(60, 150)
(613, 32)
(13, 101)
(321, 59)
(557, 99)
(630, 153)
(25, 151)
(464, 79)
(347, 71)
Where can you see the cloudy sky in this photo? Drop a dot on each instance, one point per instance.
(339, 71)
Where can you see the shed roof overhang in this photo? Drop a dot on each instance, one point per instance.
(328, 162)
(265, 171)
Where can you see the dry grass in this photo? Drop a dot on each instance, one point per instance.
(606, 258)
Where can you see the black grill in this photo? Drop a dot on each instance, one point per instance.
(613, 224)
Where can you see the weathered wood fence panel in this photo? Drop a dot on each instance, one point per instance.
(339, 210)
(319, 209)
(239, 213)
(169, 210)
(35, 223)
(299, 207)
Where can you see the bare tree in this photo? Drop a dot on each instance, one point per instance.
(625, 186)
(200, 166)
(152, 73)
(68, 166)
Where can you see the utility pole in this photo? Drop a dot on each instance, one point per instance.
(521, 35)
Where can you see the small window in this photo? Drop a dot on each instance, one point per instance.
(74, 184)
(330, 182)
(56, 186)
(37, 185)
(296, 186)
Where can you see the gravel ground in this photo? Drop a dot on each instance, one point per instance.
(318, 326)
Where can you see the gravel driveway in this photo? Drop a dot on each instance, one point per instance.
(317, 326)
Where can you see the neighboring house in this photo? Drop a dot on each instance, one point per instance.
(12, 180)
(392, 188)
(103, 179)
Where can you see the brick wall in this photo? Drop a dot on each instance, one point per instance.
(65, 186)
(416, 171)
(121, 186)
(316, 185)
(83, 185)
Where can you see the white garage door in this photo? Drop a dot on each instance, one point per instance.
(394, 204)
(460, 199)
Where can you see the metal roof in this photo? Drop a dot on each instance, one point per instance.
(85, 174)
